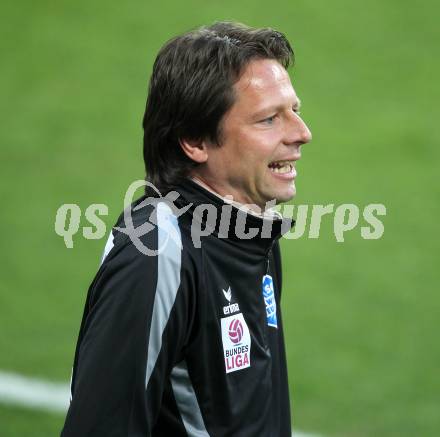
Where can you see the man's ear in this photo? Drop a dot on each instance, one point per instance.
(197, 150)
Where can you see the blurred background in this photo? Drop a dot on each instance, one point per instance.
(361, 317)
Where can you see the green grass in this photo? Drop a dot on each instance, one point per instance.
(360, 316)
(18, 422)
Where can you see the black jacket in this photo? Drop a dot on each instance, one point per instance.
(184, 342)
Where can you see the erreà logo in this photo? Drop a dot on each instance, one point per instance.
(231, 307)
(228, 294)
(236, 341)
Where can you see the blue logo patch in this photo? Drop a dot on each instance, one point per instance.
(269, 300)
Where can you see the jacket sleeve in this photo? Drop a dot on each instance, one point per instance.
(134, 328)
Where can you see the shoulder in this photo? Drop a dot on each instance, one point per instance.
(148, 241)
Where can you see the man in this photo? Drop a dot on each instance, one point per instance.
(185, 337)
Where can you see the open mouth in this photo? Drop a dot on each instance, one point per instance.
(281, 167)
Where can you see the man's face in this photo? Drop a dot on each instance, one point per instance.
(261, 139)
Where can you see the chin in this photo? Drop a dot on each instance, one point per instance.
(281, 198)
(286, 195)
(279, 195)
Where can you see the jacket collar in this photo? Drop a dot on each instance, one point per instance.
(228, 221)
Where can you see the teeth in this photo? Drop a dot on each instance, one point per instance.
(281, 167)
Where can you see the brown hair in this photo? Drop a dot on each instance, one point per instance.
(191, 88)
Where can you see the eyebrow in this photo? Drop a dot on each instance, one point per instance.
(270, 109)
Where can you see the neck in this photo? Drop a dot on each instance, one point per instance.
(250, 208)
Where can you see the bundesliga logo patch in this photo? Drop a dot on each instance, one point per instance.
(269, 300)
(236, 343)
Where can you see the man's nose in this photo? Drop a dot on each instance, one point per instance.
(297, 132)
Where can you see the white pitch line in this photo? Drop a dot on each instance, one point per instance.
(33, 393)
(39, 394)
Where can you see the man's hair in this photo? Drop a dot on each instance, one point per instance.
(191, 88)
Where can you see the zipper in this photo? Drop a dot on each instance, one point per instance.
(269, 252)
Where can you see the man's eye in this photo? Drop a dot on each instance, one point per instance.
(269, 120)
(296, 111)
